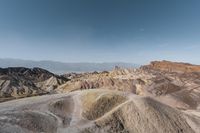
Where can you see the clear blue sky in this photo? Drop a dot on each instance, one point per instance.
(136, 31)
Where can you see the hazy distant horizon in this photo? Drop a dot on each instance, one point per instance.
(68, 61)
(135, 31)
(134, 63)
(65, 67)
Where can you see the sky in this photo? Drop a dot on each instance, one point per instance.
(135, 31)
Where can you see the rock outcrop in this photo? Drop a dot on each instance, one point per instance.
(169, 66)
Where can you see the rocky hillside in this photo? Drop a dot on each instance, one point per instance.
(95, 111)
(19, 82)
(105, 80)
(180, 90)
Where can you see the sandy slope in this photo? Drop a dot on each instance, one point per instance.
(94, 111)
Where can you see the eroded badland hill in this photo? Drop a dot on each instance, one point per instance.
(162, 97)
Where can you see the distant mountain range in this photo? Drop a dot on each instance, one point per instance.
(61, 67)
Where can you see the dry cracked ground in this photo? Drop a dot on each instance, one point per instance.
(162, 97)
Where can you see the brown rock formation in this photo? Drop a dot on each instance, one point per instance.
(173, 66)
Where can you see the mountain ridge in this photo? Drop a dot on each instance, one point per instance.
(62, 67)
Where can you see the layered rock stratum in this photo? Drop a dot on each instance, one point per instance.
(173, 66)
(162, 97)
